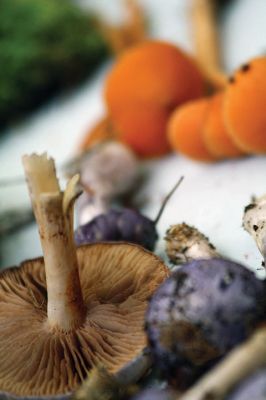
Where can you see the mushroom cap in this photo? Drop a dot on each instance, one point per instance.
(201, 312)
(143, 87)
(216, 136)
(116, 280)
(185, 129)
(244, 107)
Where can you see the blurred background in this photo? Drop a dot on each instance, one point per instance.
(54, 59)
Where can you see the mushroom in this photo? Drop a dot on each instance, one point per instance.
(216, 136)
(244, 106)
(107, 171)
(186, 128)
(123, 225)
(142, 89)
(75, 308)
(200, 313)
(185, 243)
(254, 222)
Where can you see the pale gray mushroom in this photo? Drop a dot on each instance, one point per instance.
(108, 171)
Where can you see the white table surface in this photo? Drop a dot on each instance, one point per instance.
(212, 197)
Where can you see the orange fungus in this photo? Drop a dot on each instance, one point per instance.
(244, 107)
(216, 136)
(185, 130)
(144, 86)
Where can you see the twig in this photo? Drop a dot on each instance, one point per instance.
(167, 198)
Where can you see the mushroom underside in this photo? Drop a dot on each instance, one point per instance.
(116, 281)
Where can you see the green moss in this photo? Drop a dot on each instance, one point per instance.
(45, 45)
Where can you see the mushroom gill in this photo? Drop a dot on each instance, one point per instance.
(42, 358)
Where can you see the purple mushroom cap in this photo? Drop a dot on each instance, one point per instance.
(253, 388)
(119, 225)
(202, 311)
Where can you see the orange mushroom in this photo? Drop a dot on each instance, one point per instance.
(144, 86)
(143, 129)
(244, 107)
(216, 137)
(185, 130)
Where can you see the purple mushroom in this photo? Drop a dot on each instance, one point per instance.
(119, 225)
(202, 311)
(123, 225)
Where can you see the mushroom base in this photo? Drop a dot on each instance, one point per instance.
(116, 281)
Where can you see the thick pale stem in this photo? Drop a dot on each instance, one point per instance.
(239, 364)
(54, 215)
(206, 41)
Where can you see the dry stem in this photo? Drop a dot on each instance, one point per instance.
(54, 215)
(206, 42)
(239, 364)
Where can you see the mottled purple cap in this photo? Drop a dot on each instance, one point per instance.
(124, 225)
(202, 311)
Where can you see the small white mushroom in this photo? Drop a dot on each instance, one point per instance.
(185, 243)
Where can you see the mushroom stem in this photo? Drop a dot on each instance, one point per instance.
(185, 243)
(206, 42)
(254, 222)
(239, 364)
(54, 214)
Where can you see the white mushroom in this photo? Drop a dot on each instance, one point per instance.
(254, 222)
(185, 243)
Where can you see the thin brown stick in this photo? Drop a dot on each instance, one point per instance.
(167, 198)
(206, 42)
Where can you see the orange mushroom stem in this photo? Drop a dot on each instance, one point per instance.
(206, 42)
(54, 214)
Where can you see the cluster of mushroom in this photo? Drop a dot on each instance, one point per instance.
(230, 123)
(206, 322)
(155, 97)
(205, 325)
(77, 315)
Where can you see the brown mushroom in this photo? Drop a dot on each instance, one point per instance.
(73, 309)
